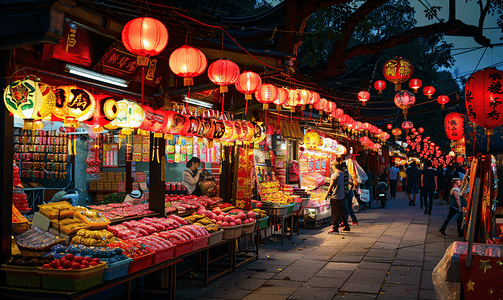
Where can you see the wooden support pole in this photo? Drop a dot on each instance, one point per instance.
(157, 175)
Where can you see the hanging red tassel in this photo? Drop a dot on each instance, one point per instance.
(246, 107)
(223, 100)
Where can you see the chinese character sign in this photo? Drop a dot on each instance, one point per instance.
(484, 98)
(454, 124)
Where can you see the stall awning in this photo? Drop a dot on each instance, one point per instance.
(290, 128)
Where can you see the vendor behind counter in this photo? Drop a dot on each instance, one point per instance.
(191, 176)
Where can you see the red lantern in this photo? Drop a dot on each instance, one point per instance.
(428, 91)
(305, 98)
(345, 119)
(415, 84)
(105, 112)
(380, 85)
(195, 124)
(248, 83)
(314, 99)
(378, 131)
(420, 129)
(293, 99)
(187, 62)
(177, 124)
(397, 70)
(363, 96)
(320, 106)
(483, 97)
(338, 113)
(396, 132)
(266, 94)
(223, 72)
(145, 36)
(281, 98)
(358, 126)
(389, 126)
(442, 99)
(407, 125)
(366, 126)
(454, 124)
(404, 100)
(330, 107)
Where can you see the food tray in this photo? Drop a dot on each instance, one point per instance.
(263, 223)
(65, 231)
(116, 270)
(19, 276)
(200, 242)
(163, 255)
(50, 216)
(183, 248)
(93, 225)
(232, 232)
(141, 262)
(249, 228)
(275, 211)
(72, 280)
(215, 237)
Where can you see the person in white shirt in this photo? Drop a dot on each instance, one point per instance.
(191, 176)
(393, 179)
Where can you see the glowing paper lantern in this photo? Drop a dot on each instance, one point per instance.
(73, 104)
(30, 100)
(405, 100)
(442, 100)
(266, 94)
(248, 83)
(345, 119)
(320, 106)
(311, 140)
(338, 113)
(144, 36)
(428, 91)
(454, 124)
(187, 62)
(305, 98)
(420, 129)
(330, 107)
(281, 98)
(363, 96)
(223, 72)
(415, 84)
(315, 98)
(398, 70)
(407, 125)
(293, 99)
(396, 132)
(178, 124)
(366, 126)
(129, 115)
(104, 113)
(380, 85)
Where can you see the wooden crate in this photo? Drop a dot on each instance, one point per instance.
(107, 186)
(92, 185)
(119, 177)
(100, 186)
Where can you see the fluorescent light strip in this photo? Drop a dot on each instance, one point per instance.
(198, 102)
(96, 76)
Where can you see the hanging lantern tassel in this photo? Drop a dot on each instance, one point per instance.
(153, 147)
(223, 89)
(398, 87)
(223, 101)
(75, 144)
(265, 107)
(247, 98)
(442, 106)
(69, 145)
(405, 114)
(488, 132)
(380, 92)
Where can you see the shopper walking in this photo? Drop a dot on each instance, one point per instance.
(429, 183)
(441, 184)
(336, 195)
(422, 194)
(456, 204)
(412, 183)
(393, 179)
(349, 200)
(403, 176)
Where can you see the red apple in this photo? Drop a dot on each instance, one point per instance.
(69, 257)
(97, 260)
(75, 265)
(61, 268)
(87, 258)
(232, 224)
(46, 266)
(93, 263)
(67, 264)
(83, 266)
(78, 259)
(54, 264)
(85, 262)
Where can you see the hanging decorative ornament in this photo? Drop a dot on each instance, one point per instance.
(315, 98)
(415, 84)
(443, 100)
(407, 125)
(405, 100)
(248, 83)
(266, 94)
(396, 132)
(195, 124)
(366, 126)
(104, 113)
(177, 124)
(29, 99)
(130, 115)
(311, 140)
(305, 98)
(420, 129)
(187, 62)
(337, 114)
(380, 85)
(144, 37)
(398, 70)
(223, 72)
(281, 98)
(483, 91)
(363, 96)
(73, 105)
(428, 91)
(454, 124)
(293, 99)
(340, 150)
(389, 126)
(320, 106)
(345, 119)
(330, 107)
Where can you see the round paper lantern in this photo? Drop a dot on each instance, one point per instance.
(315, 98)
(405, 100)
(305, 98)
(415, 84)
(397, 70)
(345, 119)
(407, 125)
(187, 62)
(420, 129)
(363, 96)
(358, 126)
(380, 85)
(266, 94)
(428, 91)
(311, 140)
(195, 125)
(129, 115)
(223, 72)
(389, 126)
(145, 36)
(248, 83)
(366, 126)
(320, 106)
(73, 104)
(338, 113)
(454, 124)
(206, 129)
(396, 132)
(330, 107)
(281, 98)
(149, 120)
(443, 100)
(340, 150)
(29, 99)
(378, 131)
(104, 113)
(177, 124)
(293, 99)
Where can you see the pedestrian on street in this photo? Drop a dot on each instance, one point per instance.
(429, 183)
(441, 183)
(403, 176)
(336, 195)
(412, 181)
(393, 179)
(422, 194)
(456, 204)
(349, 200)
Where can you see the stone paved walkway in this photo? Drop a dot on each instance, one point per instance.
(390, 254)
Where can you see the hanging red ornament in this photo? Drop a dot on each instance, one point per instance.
(454, 124)
(398, 70)
(366, 126)
(314, 99)
(305, 98)
(338, 113)
(320, 106)
(443, 100)
(330, 107)
(144, 36)
(281, 98)
(389, 126)
(248, 83)
(363, 96)
(293, 99)
(415, 84)
(380, 85)
(187, 62)
(407, 125)
(420, 129)
(223, 72)
(266, 94)
(405, 100)
(396, 132)
(428, 91)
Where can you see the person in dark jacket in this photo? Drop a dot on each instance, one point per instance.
(430, 185)
(441, 183)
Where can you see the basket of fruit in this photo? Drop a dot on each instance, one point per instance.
(22, 271)
(72, 273)
(232, 232)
